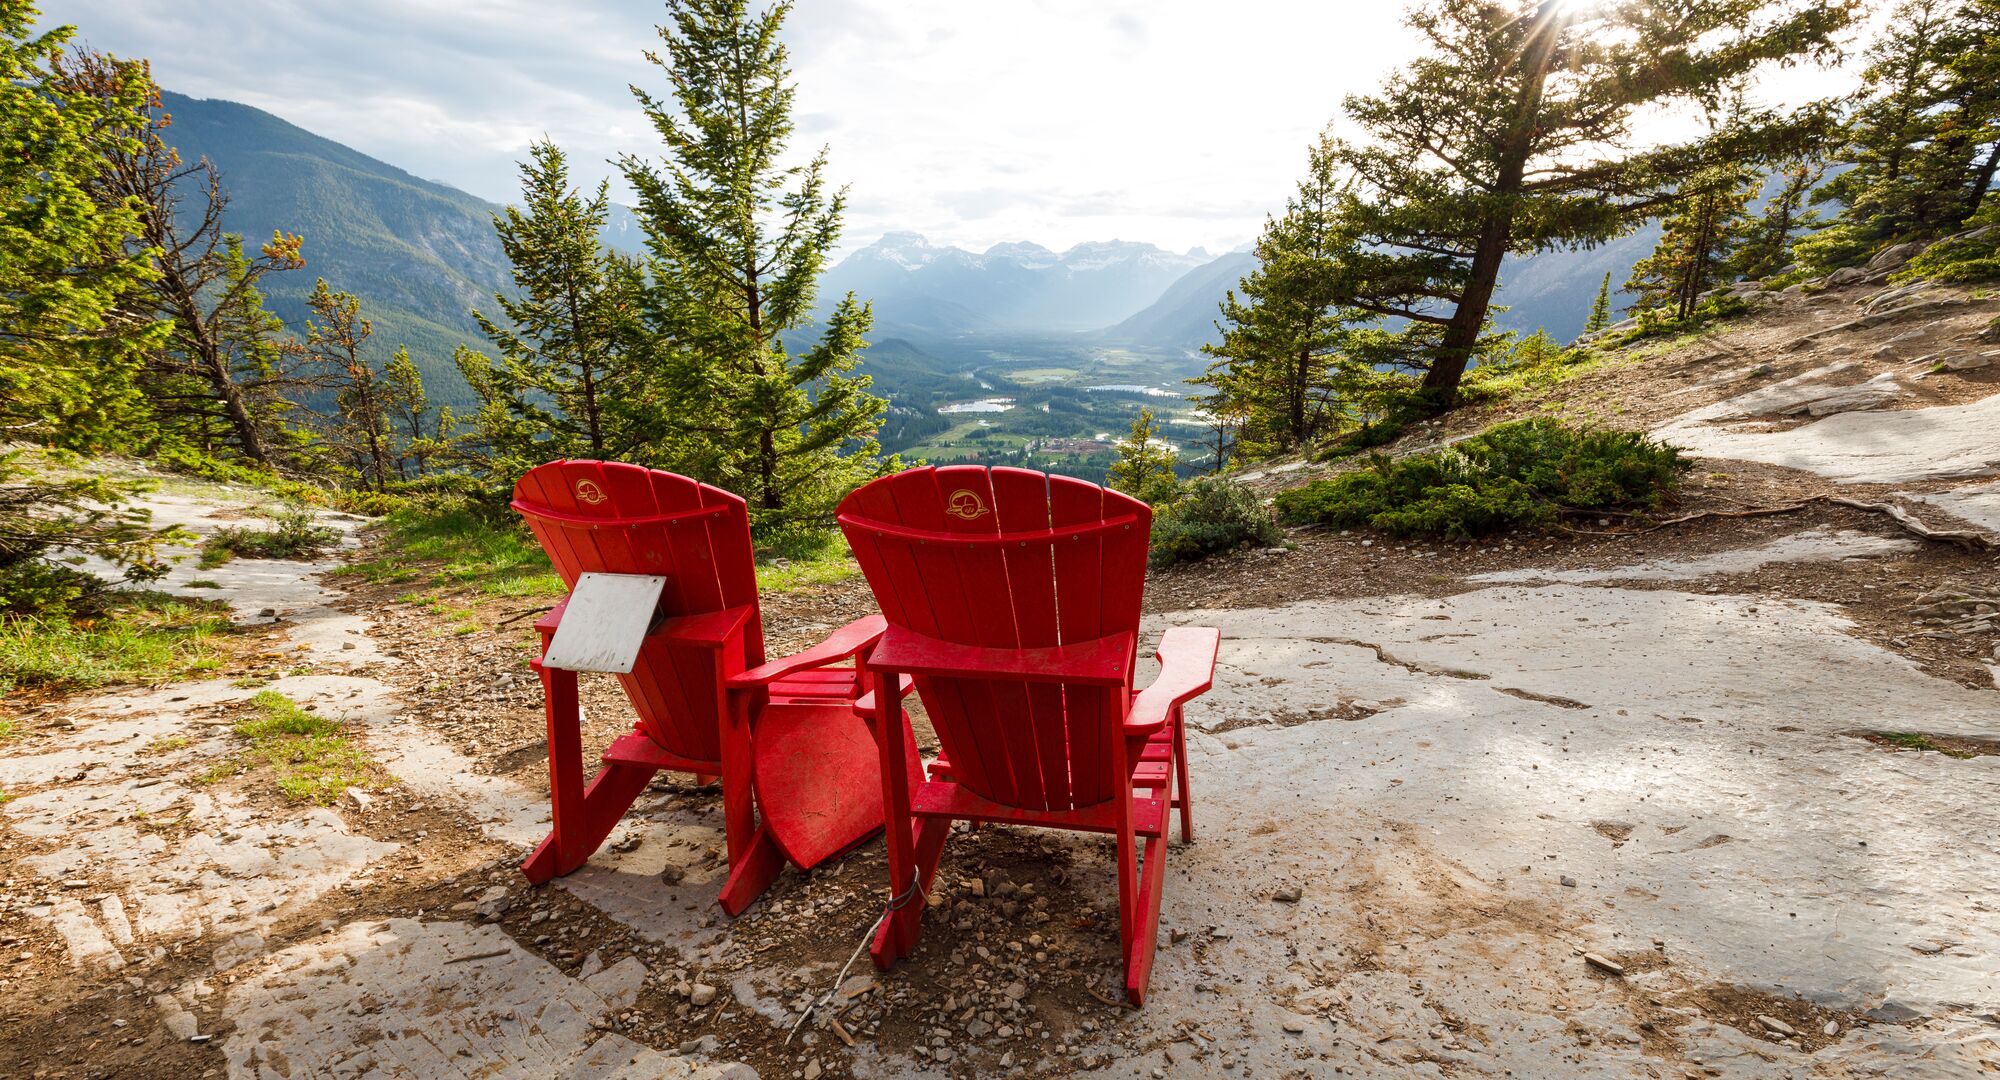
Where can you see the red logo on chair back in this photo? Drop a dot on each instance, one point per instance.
(966, 504)
(588, 491)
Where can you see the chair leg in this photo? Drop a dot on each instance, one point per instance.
(754, 858)
(1140, 947)
(1181, 771)
(583, 816)
(897, 936)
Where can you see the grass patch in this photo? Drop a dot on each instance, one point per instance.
(202, 583)
(803, 557)
(310, 756)
(1528, 472)
(294, 533)
(137, 637)
(167, 745)
(492, 558)
(8, 729)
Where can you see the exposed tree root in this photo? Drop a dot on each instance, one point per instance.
(1967, 539)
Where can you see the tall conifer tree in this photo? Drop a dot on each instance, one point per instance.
(1284, 344)
(1513, 133)
(569, 380)
(738, 241)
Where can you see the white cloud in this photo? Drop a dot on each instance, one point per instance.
(1181, 122)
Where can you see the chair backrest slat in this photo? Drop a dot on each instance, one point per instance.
(593, 516)
(1008, 558)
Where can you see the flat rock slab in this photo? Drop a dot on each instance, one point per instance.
(1809, 545)
(404, 998)
(1976, 503)
(1810, 393)
(1862, 448)
(1563, 770)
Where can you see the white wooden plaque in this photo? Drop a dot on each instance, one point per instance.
(605, 622)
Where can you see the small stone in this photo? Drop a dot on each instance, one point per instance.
(700, 994)
(1016, 990)
(812, 1069)
(1007, 1060)
(346, 646)
(1295, 1027)
(672, 874)
(1776, 1026)
(1288, 894)
(1831, 1029)
(359, 798)
(1566, 881)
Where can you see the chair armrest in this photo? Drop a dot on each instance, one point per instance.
(547, 624)
(710, 629)
(839, 645)
(1187, 670)
(1105, 661)
(904, 684)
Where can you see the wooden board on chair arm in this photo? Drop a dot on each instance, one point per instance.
(1105, 661)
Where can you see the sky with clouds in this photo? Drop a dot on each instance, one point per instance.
(1179, 122)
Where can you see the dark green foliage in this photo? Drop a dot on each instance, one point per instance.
(568, 380)
(738, 239)
(1600, 308)
(47, 518)
(1211, 515)
(1284, 364)
(1145, 465)
(1924, 138)
(68, 355)
(1698, 241)
(1509, 135)
(1527, 472)
(1967, 258)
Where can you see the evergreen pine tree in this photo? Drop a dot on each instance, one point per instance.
(1600, 308)
(1698, 240)
(426, 430)
(1924, 137)
(1512, 134)
(738, 242)
(1283, 346)
(336, 339)
(1145, 465)
(568, 380)
(68, 350)
(220, 381)
(1767, 241)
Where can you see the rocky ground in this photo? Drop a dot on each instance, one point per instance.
(1717, 799)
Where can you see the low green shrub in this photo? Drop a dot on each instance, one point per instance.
(294, 533)
(1211, 515)
(1968, 258)
(1522, 473)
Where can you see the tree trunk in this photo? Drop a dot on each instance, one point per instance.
(1461, 334)
(1982, 183)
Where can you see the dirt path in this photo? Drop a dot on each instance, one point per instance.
(1432, 783)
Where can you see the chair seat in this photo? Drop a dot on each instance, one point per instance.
(818, 778)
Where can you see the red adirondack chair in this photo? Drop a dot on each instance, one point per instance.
(783, 735)
(1013, 598)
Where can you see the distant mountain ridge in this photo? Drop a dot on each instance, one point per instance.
(1019, 286)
